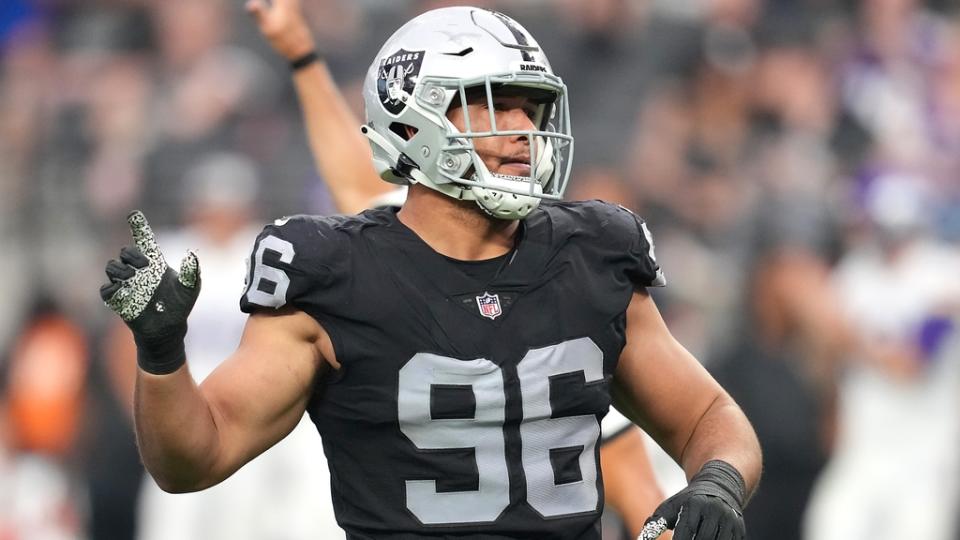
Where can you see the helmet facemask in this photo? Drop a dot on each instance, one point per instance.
(549, 149)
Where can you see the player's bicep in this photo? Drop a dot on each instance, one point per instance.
(258, 395)
(658, 383)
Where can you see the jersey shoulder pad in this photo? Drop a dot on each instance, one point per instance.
(295, 261)
(613, 233)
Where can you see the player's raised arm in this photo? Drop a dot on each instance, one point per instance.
(661, 385)
(341, 153)
(192, 437)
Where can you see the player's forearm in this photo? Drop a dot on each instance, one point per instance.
(724, 433)
(176, 432)
(340, 152)
(629, 482)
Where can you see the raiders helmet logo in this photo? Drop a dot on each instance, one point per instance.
(396, 79)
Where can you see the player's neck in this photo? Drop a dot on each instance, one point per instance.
(457, 229)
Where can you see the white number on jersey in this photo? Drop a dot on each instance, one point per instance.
(268, 278)
(540, 434)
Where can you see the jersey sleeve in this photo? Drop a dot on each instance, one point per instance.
(643, 269)
(295, 262)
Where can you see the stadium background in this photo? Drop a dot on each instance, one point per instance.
(775, 147)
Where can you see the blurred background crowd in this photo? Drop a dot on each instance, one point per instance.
(798, 162)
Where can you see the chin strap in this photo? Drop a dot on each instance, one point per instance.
(386, 157)
(451, 189)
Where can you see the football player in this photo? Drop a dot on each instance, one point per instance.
(455, 355)
(343, 159)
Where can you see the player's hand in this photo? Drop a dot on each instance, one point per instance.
(709, 508)
(283, 24)
(152, 298)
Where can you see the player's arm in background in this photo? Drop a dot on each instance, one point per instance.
(341, 153)
(343, 158)
(630, 484)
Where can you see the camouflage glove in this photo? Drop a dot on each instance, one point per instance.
(709, 508)
(152, 298)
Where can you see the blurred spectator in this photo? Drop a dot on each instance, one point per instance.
(608, 52)
(38, 500)
(780, 367)
(769, 370)
(735, 176)
(111, 464)
(897, 460)
(900, 82)
(44, 396)
(24, 72)
(42, 407)
(778, 356)
(605, 184)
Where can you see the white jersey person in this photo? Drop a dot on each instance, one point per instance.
(895, 472)
(456, 355)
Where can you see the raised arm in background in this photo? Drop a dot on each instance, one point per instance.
(341, 153)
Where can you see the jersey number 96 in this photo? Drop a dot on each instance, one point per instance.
(541, 435)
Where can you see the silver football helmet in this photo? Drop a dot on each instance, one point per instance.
(435, 60)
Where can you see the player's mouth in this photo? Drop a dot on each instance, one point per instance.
(515, 166)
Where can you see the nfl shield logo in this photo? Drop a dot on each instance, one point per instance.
(489, 305)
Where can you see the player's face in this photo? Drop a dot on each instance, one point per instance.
(508, 154)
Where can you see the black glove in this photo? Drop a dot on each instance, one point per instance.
(709, 508)
(152, 298)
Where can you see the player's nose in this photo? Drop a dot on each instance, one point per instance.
(516, 119)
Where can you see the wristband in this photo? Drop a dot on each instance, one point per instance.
(160, 357)
(726, 476)
(303, 61)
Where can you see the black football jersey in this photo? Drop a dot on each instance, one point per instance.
(468, 404)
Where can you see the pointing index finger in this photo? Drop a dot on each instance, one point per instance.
(143, 235)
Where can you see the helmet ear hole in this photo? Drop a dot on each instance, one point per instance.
(404, 131)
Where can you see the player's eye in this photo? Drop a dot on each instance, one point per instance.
(502, 106)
